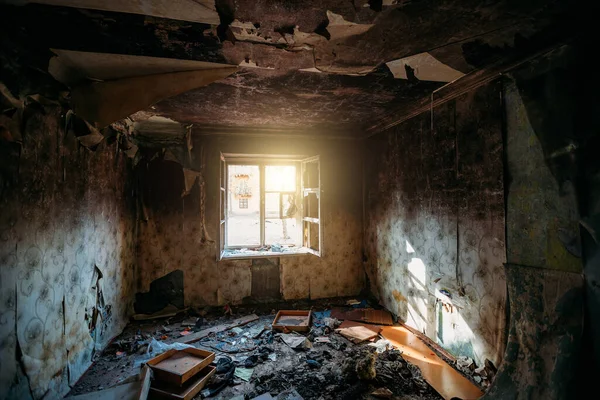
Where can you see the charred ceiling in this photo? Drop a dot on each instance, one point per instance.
(324, 65)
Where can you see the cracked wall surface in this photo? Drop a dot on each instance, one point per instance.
(338, 273)
(67, 246)
(434, 237)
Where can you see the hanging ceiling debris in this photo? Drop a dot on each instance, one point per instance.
(325, 67)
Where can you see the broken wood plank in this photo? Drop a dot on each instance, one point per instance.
(448, 382)
(194, 337)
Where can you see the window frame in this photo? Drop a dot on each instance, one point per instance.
(301, 190)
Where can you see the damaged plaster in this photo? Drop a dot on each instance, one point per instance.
(66, 253)
(435, 224)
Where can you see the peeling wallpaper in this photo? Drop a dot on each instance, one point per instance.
(171, 237)
(543, 216)
(434, 236)
(67, 245)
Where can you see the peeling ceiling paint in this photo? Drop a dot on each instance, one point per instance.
(319, 64)
(425, 67)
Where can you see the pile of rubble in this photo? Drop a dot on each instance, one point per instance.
(481, 375)
(317, 356)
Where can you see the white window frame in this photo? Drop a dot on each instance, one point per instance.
(302, 192)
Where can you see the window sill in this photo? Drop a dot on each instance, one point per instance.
(234, 254)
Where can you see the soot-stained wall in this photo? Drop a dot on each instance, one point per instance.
(550, 158)
(434, 236)
(180, 232)
(67, 245)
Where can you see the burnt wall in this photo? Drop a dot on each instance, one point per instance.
(435, 223)
(180, 232)
(67, 245)
(550, 181)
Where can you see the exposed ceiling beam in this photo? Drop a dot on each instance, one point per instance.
(203, 11)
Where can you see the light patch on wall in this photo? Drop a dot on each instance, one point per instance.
(454, 332)
(417, 306)
(409, 248)
(426, 68)
(417, 270)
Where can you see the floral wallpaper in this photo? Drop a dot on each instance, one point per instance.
(171, 236)
(67, 246)
(435, 224)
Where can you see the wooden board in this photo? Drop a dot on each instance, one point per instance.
(442, 377)
(357, 334)
(292, 320)
(355, 314)
(194, 337)
(369, 315)
(379, 317)
(177, 366)
(349, 324)
(190, 389)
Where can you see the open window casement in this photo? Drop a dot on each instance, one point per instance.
(222, 205)
(270, 206)
(312, 226)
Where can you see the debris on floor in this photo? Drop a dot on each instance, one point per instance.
(368, 315)
(292, 320)
(382, 393)
(181, 374)
(165, 290)
(253, 360)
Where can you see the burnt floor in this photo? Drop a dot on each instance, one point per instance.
(319, 370)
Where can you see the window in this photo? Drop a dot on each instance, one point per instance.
(269, 206)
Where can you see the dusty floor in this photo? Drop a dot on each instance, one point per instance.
(321, 371)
